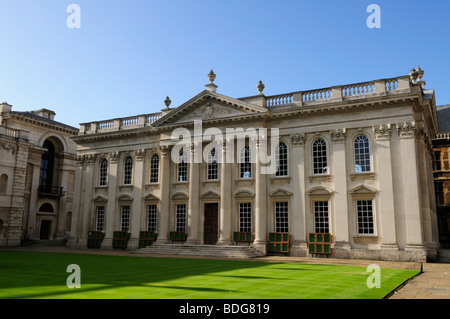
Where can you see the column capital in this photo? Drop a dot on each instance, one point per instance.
(139, 154)
(90, 158)
(407, 129)
(114, 156)
(298, 139)
(382, 131)
(338, 135)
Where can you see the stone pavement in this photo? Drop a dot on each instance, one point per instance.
(433, 283)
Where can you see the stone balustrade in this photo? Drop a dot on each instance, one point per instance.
(300, 98)
(119, 124)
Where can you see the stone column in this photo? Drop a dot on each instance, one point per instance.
(410, 186)
(260, 242)
(87, 204)
(225, 199)
(386, 202)
(77, 202)
(136, 207)
(163, 227)
(32, 215)
(298, 224)
(111, 206)
(339, 161)
(194, 200)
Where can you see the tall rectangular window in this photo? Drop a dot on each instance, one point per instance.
(365, 217)
(245, 165)
(181, 217)
(103, 172)
(281, 217)
(182, 167)
(128, 170)
(212, 165)
(152, 209)
(100, 220)
(439, 190)
(320, 157)
(154, 168)
(245, 217)
(362, 154)
(125, 218)
(281, 157)
(321, 221)
(437, 161)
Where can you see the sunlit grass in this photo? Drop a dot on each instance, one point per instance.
(43, 275)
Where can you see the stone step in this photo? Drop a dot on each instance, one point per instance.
(443, 256)
(200, 250)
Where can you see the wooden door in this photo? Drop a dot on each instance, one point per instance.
(211, 227)
(45, 229)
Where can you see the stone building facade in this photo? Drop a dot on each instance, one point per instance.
(441, 174)
(37, 174)
(351, 160)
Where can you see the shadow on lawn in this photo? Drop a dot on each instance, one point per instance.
(28, 271)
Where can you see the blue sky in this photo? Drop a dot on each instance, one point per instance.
(129, 55)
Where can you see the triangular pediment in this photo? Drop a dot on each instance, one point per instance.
(280, 192)
(208, 106)
(210, 194)
(124, 198)
(363, 190)
(150, 197)
(320, 191)
(100, 199)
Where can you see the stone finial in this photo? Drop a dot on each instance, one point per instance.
(416, 74)
(211, 76)
(260, 87)
(167, 102)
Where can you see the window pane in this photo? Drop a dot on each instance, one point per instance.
(321, 217)
(128, 170)
(245, 217)
(125, 218)
(181, 217)
(154, 168)
(103, 172)
(365, 217)
(100, 218)
(182, 167)
(152, 217)
(281, 217)
(245, 162)
(320, 157)
(362, 154)
(281, 160)
(212, 165)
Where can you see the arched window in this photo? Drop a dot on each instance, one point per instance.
(46, 208)
(362, 154)
(182, 166)
(127, 170)
(320, 157)
(212, 165)
(245, 167)
(154, 168)
(47, 162)
(103, 176)
(281, 157)
(3, 184)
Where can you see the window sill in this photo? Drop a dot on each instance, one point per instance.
(365, 175)
(319, 177)
(365, 239)
(126, 187)
(280, 178)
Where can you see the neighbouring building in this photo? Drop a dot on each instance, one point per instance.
(353, 161)
(37, 174)
(441, 172)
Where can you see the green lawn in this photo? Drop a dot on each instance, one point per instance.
(43, 275)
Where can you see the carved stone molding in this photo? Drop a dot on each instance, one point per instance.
(338, 135)
(7, 145)
(407, 129)
(79, 159)
(139, 154)
(298, 139)
(90, 158)
(114, 156)
(382, 131)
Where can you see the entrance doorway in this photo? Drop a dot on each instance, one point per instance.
(211, 227)
(45, 229)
